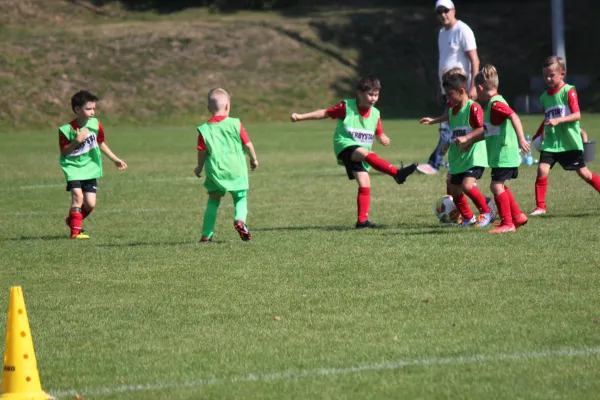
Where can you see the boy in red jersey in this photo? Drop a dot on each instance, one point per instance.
(562, 141)
(358, 123)
(81, 142)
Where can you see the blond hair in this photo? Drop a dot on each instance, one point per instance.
(217, 99)
(488, 77)
(550, 61)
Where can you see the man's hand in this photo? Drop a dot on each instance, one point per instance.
(120, 164)
(383, 139)
(82, 134)
(253, 164)
(198, 171)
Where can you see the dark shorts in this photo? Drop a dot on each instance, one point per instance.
(504, 174)
(571, 160)
(475, 172)
(345, 156)
(88, 185)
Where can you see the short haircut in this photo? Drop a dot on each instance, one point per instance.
(455, 79)
(368, 83)
(80, 98)
(550, 61)
(488, 77)
(218, 98)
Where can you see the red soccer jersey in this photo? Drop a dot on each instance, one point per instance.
(475, 115)
(500, 113)
(243, 134)
(63, 142)
(339, 112)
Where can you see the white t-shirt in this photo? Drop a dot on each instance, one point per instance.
(453, 45)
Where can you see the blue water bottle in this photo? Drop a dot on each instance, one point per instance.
(528, 160)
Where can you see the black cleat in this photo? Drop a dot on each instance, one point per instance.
(365, 224)
(404, 172)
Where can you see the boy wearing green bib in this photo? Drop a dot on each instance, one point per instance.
(562, 137)
(221, 144)
(81, 142)
(503, 134)
(358, 123)
(464, 117)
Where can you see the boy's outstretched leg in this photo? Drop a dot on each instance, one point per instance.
(381, 165)
(210, 217)
(363, 200)
(541, 187)
(590, 178)
(240, 204)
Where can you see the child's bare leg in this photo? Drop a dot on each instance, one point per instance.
(361, 154)
(541, 187)
(363, 200)
(475, 195)
(89, 203)
(210, 215)
(589, 177)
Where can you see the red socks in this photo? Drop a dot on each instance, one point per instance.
(478, 199)
(363, 201)
(381, 165)
(503, 204)
(462, 204)
(75, 221)
(595, 182)
(514, 207)
(541, 186)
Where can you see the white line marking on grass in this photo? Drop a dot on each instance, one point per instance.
(58, 185)
(322, 372)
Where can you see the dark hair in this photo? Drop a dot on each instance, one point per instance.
(368, 83)
(455, 81)
(80, 98)
(550, 61)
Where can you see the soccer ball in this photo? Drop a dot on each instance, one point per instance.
(445, 210)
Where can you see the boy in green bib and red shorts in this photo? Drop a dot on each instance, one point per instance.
(503, 134)
(358, 123)
(562, 141)
(465, 117)
(221, 144)
(81, 142)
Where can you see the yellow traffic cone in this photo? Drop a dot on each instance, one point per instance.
(20, 376)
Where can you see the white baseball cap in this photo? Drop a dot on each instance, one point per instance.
(444, 3)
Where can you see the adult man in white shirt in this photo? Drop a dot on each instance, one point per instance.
(457, 48)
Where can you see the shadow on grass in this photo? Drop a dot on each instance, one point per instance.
(26, 238)
(141, 244)
(568, 215)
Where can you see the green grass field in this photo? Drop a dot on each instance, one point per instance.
(413, 310)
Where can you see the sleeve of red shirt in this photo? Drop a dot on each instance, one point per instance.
(201, 142)
(379, 129)
(476, 116)
(540, 130)
(100, 137)
(244, 135)
(573, 100)
(63, 142)
(338, 111)
(500, 113)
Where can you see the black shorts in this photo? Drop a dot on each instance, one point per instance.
(87, 186)
(504, 174)
(475, 172)
(571, 160)
(345, 156)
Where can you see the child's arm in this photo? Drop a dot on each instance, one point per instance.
(433, 121)
(249, 148)
(584, 135)
(318, 114)
(516, 122)
(82, 134)
(120, 164)
(201, 159)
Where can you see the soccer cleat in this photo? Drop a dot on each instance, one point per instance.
(404, 173)
(365, 224)
(483, 220)
(538, 211)
(520, 220)
(242, 229)
(427, 169)
(79, 236)
(206, 240)
(503, 229)
(461, 223)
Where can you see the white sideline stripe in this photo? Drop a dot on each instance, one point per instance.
(57, 185)
(321, 372)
